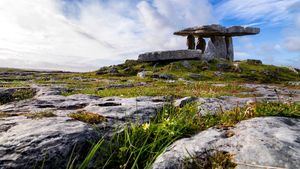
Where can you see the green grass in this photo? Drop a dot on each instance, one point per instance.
(87, 117)
(138, 145)
(17, 95)
(93, 83)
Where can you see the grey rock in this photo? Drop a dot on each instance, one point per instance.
(230, 50)
(113, 70)
(224, 66)
(186, 64)
(144, 74)
(170, 55)
(166, 76)
(222, 104)
(210, 51)
(195, 76)
(270, 141)
(293, 69)
(218, 30)
(184, 101)
(220, 45)
(25, 142)
(119, 86)
(218, 74)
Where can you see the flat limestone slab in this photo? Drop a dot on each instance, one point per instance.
(218, 30)
(170, 55)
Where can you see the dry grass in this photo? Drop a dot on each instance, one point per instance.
(87, 117)
(3, 115)
(213, 160)
(40, 115)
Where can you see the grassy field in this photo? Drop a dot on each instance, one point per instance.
(178, 79)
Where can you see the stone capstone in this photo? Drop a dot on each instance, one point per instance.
(218, 30)
(170, 55)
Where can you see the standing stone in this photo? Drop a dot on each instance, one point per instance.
(210, 51)
(201, 44)
(229, 46)
(220, 45)
(190, 42)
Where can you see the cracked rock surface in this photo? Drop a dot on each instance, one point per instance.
(256, 143)
(26, 142)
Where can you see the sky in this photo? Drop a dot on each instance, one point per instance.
(84, 35)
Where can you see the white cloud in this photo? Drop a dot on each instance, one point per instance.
(268, 11)
(36, 34)
(292, 38)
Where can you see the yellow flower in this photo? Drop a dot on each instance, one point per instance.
(146, 126)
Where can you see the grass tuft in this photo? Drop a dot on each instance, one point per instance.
(210, 159)
(17, 95)
(40, 115)
(87, 117)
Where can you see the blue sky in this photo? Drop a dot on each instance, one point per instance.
(83, 35)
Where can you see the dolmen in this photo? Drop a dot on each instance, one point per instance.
(219, 44)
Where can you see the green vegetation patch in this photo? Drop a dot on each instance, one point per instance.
(213, 160)
(40, 115)
(138, 145)
(11, 95)
(87, 117)
(4, 115)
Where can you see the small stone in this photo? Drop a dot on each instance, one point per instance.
(186, 64)
(195, 76)
(144, 74)
(219, 74)
(119, 86)
(166, 76)
(113, 70)
(224, 66)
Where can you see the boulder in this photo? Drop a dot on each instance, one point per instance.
(27, 142)
(170, 55)
(255, 143)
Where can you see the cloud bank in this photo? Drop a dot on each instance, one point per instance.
(84, 35)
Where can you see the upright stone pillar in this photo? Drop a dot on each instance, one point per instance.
(190, 42)
(220, 45)
(201, 44)
(229, 46)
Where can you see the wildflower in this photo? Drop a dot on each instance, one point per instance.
(146, 126)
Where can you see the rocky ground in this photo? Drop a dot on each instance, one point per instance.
(40, 126)
(25, 141)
